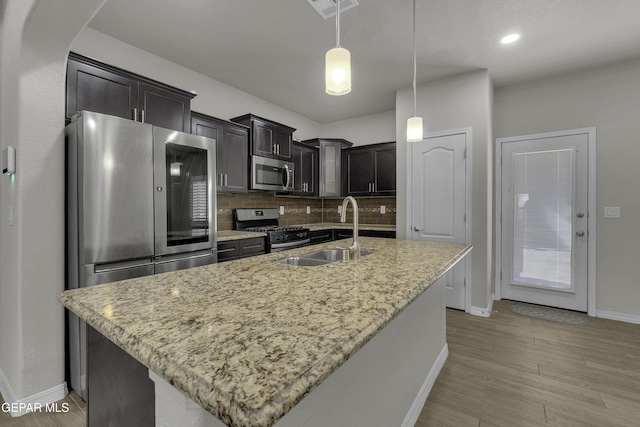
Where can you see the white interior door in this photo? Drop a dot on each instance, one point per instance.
(437, 200)
(544, 218)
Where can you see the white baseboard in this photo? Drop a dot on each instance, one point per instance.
(414, 412)
(18, 407)
(481, 311)
(622, 317)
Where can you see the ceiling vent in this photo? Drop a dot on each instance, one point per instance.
(327, 8)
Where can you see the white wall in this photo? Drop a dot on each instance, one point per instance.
(214, 98)
(36, 35)
(465, 100)
(609, 99)
(364, 130)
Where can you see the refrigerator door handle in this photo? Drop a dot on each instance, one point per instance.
(121, 265)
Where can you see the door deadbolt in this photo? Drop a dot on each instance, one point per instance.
(579, 233)
(580, 215)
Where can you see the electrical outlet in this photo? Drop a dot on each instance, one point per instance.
(308, 210)
(383, 209)
(281, 210)
(339, 209)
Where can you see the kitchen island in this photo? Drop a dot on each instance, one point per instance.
(247, 340)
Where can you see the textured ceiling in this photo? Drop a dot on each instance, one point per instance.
(275, 49)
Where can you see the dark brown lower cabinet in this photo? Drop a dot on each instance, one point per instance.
(235, 249)
(119, 390)
(322, 236)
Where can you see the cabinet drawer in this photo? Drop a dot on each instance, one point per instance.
(378, 233)
(343, 234)
(321, 236)
(228, 250)
(254, 246)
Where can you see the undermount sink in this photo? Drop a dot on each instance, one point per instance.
(322, 257)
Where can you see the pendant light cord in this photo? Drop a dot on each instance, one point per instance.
(337, 23)
(414, 58)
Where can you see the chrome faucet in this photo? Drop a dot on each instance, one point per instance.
(354, 249)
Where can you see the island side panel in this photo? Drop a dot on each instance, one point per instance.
(384, 384)
(387, 379)
(119, 390)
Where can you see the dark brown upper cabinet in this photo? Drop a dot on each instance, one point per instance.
(305, 178)
(268, 138)
(232, 151)
(370, 170)
(94, 86)
(329, 164)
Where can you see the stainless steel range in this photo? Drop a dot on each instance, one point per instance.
(279, 237)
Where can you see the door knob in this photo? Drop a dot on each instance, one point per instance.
(579, 233)
(416, 228)
(580, 215)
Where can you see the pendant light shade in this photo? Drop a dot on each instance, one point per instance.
(414, 124)
(338, 71)
(338, 64)
(414, 129)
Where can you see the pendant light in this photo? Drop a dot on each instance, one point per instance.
(338, 64)
(414, 124)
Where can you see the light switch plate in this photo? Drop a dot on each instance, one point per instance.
(339, 209)
(383, 209)
(308, 210)
(281, 210)
(612, 212)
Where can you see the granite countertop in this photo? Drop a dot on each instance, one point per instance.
(248, 339)
(226, 235)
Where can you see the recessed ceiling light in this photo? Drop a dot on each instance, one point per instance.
(510, 38)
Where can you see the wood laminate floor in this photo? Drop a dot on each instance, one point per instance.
(512, 370)
(508, 371)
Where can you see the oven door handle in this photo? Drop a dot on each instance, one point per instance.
(295, 243)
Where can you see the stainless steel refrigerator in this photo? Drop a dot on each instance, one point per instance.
(140, 201)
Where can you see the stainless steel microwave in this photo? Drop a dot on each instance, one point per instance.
(271, 174)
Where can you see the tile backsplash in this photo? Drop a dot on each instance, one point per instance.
(295, 208)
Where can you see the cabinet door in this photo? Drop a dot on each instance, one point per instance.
(284, 141)
(359, 171)
(310, 171)
(330, 172)
(385, 170)
(212, 129)
(305, 160)
(297, 154)
(235, 143)
(94, 89)
(164, 108)
(264, 136)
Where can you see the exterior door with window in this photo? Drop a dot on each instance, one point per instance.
(544, 218)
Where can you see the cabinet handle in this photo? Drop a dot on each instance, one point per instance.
(135, 114)
(373, 187)
(259, 245)
(278, 149)
(220, 251)
(273, 149)
(226, 180)
(142, 116)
